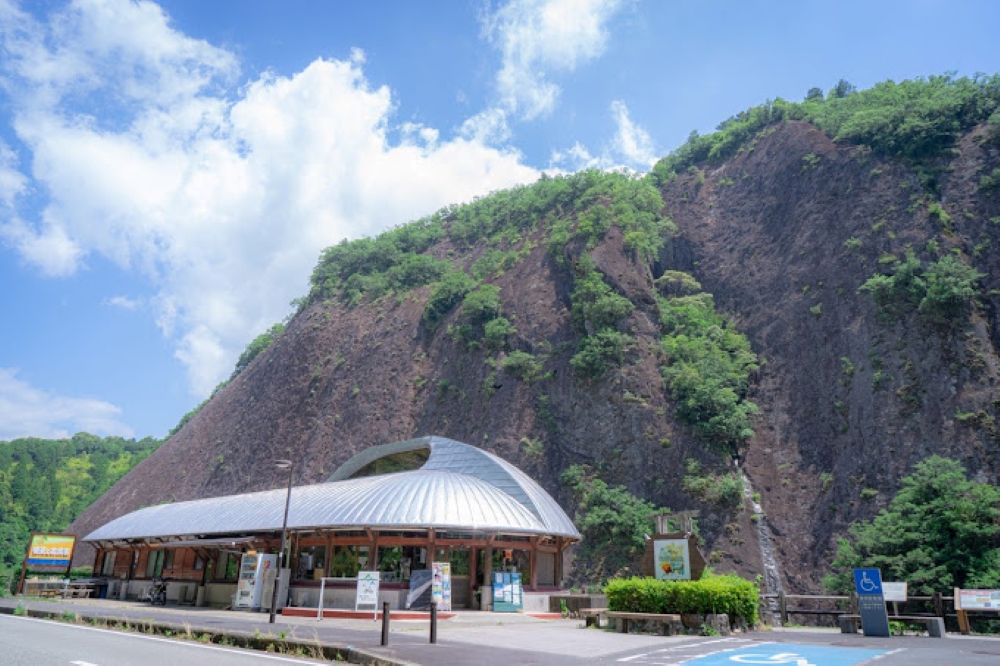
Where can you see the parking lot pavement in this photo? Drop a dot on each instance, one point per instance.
(511, 639)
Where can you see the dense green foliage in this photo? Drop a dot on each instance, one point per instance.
(613, 523)
(940, 531)
(707, 366)
(915, 120)
(940, 291)
(728, 594)
(583, 205)
(45, 484)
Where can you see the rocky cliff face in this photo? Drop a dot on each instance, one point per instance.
(783, 235)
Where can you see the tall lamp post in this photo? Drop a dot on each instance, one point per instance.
(281, 464)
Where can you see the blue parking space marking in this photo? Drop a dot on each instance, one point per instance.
(788, 654)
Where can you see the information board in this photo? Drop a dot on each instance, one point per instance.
(367, 589)
(894, 591)
(871, 603)
(507, 592)
(441, 585)
(50, 551)
(672, 559)
(977, 600)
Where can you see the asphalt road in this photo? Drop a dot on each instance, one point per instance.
(479, 639)
(30, 642)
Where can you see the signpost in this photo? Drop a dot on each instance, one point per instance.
(871, 602)
(47, 552)
(441, 585)
(368, 591)
(673, 559)
(974, 600)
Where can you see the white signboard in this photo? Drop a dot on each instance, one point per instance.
(441, 585)
(671, 559)
(367, 589)
(893, 591)
(977, 599)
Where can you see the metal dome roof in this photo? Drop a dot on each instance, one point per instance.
(459, 488)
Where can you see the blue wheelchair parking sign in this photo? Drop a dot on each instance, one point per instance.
(868, 581)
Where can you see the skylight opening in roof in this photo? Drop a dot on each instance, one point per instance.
(405, 461)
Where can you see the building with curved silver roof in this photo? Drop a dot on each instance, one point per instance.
(427, 495)
(459, 487)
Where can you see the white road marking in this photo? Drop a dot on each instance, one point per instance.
(81, 663)
(126, 634)
(687, 647)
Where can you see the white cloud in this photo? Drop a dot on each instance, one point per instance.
(537, 37)
(630, 148)
(28, 412)
(489, 126)
(632, 142)
(12, 181)
(222, 198)
(123, 302)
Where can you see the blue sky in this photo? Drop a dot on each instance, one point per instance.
(170, 173)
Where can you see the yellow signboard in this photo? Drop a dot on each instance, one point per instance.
(51, 550)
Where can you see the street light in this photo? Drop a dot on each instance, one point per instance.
(281, 464)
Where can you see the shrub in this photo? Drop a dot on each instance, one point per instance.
(522, 365)
(445, 296)
(496, 333)
(727, 594)
(482, 304)
(613, 523)
(596, 352)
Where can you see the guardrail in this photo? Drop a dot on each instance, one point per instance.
(784, 605)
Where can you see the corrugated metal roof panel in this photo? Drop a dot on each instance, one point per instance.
(459, 487)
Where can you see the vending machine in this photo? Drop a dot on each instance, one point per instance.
(256, 582)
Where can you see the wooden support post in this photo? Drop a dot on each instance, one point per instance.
(938, 605)
(783, 608)
(533, 564)
(963, 622)
(560, 545)
(473, 564)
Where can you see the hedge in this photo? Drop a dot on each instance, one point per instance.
(728, 594)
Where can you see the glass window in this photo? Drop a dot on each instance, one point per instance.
(168, 559)
(109, 564)
(154, 564)
(232, 566)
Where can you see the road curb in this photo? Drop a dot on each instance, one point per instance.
(242, 639)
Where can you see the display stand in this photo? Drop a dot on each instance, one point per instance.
(508, 596)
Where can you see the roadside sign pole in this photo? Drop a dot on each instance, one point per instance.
(871, 602)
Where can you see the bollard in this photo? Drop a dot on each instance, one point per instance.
(385, 623)
(434, 622)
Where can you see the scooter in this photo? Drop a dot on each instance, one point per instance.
(158, 594)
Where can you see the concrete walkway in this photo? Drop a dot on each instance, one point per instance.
(470, 637)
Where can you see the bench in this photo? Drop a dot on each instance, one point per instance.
(670, 623)
(849, 624)
(76, 592)
(592, 616)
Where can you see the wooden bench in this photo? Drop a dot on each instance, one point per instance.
(670, 623)
(592, 616)
(849, 624)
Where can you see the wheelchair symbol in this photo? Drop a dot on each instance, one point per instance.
(866, 583)
(773, 659)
